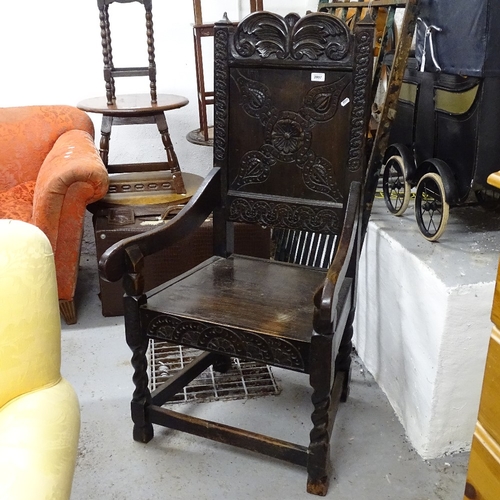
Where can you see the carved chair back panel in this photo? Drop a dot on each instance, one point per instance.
(288, 133)
(289, 119)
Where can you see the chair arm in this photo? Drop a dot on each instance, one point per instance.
(328, 295)
(71, 177)
(112, 264)
(28, 133)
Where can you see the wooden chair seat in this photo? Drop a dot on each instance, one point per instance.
(280, 336)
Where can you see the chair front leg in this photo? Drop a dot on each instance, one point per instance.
(321, 380)
(141, 398)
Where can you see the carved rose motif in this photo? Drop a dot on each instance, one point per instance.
(287, 136)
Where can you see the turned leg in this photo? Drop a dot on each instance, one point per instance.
(172, 161)
(107, 122)
(151, 55)
(141, 398)
(107, 53)
(200, 80)
(321, 380)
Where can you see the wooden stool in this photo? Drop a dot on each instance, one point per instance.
(138, 109)
(134, 109)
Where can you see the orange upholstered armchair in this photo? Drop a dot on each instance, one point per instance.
(50, 171)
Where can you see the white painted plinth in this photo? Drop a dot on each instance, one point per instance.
(423, 321)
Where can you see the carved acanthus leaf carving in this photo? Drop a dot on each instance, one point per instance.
(265, 34)
(256, 98)
(312, 37)
(255, 168)
(321, 103)
(318, 35)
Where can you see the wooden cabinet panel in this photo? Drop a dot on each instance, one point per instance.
(489, 409)
(483, 478)
(495, 311)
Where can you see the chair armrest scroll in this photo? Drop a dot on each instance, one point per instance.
(327, 296)
(112, 264)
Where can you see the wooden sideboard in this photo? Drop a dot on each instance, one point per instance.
(483, 477)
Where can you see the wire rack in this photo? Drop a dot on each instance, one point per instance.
(245, 379)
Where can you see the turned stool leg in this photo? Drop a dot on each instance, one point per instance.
(106, 124)
(172, 161)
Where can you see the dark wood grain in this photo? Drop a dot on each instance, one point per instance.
(237, 287)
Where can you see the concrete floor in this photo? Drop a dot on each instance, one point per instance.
(371, 457)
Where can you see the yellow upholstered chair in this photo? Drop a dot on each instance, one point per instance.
(39, 410)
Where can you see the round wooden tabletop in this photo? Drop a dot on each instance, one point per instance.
(132, 104)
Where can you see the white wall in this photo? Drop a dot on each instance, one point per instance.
(422, 322)
(51, 54)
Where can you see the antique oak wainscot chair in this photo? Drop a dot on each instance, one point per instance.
(291, 113)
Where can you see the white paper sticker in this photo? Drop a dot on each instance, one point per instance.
(345, 102)
(152, 222)
(317, 77)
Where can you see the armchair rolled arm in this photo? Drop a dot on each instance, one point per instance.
(112, 264)
(71, 177)
(28, 133)
(328, 295)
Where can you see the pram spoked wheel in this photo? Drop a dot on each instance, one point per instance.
(395, 185)
(431, 206)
